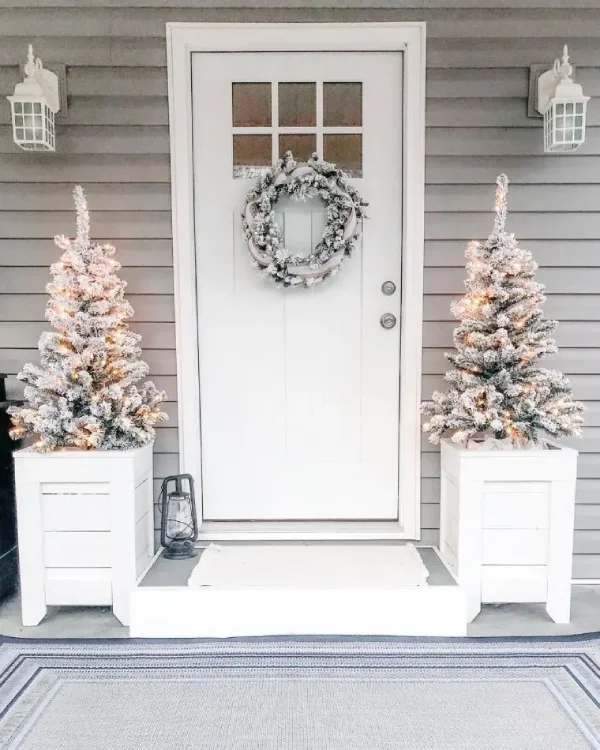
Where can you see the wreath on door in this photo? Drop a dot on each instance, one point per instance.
(345, 212)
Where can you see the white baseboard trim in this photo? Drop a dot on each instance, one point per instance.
(586, 581)
(242, 531)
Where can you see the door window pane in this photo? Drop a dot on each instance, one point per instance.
(342, 104)
(301, 145)
(344, 150)
(251, 105)
(297, 105)
(251, 155)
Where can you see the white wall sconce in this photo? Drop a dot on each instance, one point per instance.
(561, 103)
(34, 105)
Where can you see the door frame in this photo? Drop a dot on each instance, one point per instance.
(184, 39)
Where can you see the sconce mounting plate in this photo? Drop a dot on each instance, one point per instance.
(61, 71)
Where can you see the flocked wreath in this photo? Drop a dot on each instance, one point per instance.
(345, 211)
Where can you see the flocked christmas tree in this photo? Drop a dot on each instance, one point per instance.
(84, 393)
(495, 386)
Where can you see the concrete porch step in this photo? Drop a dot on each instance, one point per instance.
(164, 606)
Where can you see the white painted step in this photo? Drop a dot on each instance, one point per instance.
(164, 606)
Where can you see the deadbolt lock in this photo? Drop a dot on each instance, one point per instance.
(388, 288)
(387, 320)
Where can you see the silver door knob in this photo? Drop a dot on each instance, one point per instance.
(387, 320)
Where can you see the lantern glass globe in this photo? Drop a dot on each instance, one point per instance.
(33, 124)
(33, 106)
(564, 125)
(563, 106)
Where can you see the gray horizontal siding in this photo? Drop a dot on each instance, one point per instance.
(570, 361)
(16, 280)
(144, 253)
(27, 334)
(116, 224)
(104, 197)
(131, 139)
(572, 280)
(443, 25)
(523, 198)
(149, 308)
(69, 168)
(560, 306)
(395, 4)
(549, 253)
(116, 143)
(160, 361)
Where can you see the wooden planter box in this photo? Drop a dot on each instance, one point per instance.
(85, 527)
(506, 525)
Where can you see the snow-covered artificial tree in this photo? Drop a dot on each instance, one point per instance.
(84, 393)
(495, 387)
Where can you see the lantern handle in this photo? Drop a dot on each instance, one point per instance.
(177, 478)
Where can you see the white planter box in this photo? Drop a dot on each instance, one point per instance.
(86, 527)
(506, 525)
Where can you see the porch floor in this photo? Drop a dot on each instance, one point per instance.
(170, 573)
(493, 621)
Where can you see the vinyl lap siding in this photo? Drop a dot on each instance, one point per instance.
(116, 144)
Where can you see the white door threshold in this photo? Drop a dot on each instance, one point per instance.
(211, 531)
(164, 606)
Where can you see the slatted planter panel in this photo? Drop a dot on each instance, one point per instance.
(86, 528)
(507, 521)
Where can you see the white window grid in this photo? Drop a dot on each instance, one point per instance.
(564, 126)
(33, 125)
(275, 130)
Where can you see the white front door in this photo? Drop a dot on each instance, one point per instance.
(299, 388)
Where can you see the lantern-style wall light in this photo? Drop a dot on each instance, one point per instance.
(563, 106)
(34, 104)
(179, 524)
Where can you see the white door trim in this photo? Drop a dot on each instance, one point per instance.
(183, 39)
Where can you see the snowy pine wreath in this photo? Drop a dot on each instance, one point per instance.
(315, 179)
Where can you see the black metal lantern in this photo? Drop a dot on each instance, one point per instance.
(179, 524)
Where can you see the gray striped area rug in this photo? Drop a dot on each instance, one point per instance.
(296, 694)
